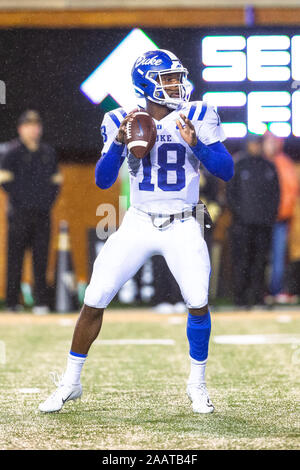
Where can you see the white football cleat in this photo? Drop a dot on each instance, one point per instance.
(61, 395)
(199, 397)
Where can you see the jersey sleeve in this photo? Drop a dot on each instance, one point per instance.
(211, 130)
(109, 129)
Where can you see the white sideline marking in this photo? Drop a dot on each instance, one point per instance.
(176, 320)
(284, 319)
(29, 390)
(257, 339)
(137, 342)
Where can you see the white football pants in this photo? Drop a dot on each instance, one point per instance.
(125, 251)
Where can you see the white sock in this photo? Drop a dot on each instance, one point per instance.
(73, 370)
(197, 374)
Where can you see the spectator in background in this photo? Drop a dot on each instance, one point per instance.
(253, 197)
(29, 174)
(294, 250)
(253, 147)
(289, 188)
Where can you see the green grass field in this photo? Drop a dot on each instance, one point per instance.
(134, 395)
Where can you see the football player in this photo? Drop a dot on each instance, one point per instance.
(164, 190)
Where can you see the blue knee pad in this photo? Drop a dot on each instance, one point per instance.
(198, 333)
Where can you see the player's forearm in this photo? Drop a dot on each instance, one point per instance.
(107, 168)
(216, 159)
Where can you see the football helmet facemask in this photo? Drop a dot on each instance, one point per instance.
(149, 82)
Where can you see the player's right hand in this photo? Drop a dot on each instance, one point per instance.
(187, 131)
(122, 129)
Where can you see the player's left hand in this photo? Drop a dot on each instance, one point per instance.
(187, 131)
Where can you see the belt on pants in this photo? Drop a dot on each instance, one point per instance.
(183, 215)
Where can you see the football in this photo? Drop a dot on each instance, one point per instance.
(140, 134)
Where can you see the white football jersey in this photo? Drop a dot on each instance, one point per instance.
(166, 181)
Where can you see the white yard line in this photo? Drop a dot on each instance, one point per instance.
(284, 319)
(136, 342)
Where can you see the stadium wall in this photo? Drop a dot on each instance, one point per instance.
(162, 17)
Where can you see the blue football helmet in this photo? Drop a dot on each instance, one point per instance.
(147, 75)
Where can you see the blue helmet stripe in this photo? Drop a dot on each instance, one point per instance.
(203, 111)
(192, 112)
(115, 119)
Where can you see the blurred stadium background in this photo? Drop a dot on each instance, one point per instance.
(49, 51)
